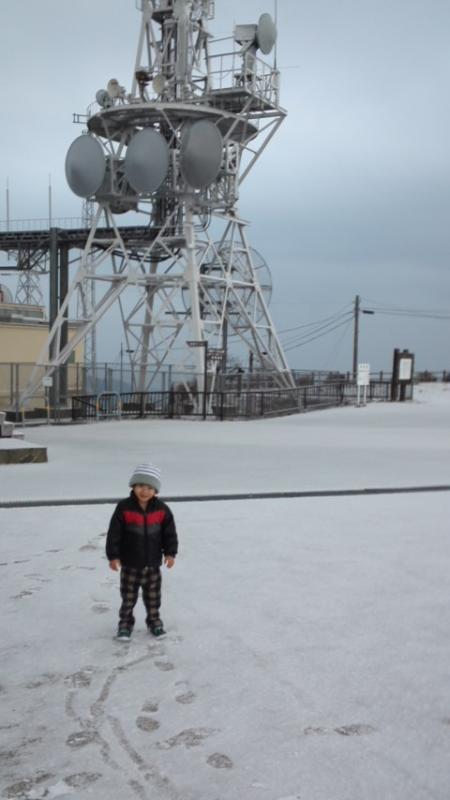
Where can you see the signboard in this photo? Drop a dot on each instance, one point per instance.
(47, 383)
(216, 353)
(363, 378)
(405, 369)
(402, 374)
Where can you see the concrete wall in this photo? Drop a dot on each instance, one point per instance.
(21, 341)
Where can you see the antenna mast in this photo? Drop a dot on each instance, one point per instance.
(175, 150)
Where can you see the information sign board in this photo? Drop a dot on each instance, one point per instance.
(405, 369)
(363, 378)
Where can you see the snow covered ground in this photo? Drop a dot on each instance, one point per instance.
(308, 649)
(382, 444)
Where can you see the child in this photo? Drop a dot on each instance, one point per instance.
(141, 532)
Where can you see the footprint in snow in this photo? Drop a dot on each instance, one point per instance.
(147, 723)
(150, 707)
(100, 608)
(192, 737)
(164, 666)
(186, 699)
(220, 761)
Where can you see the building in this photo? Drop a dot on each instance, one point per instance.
(23, 334)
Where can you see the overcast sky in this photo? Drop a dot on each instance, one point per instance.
(352, 196)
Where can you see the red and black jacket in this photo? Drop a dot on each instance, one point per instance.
(140, 538)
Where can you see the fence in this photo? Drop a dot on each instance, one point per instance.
(80, 381)
(225, 404)
(72, 379)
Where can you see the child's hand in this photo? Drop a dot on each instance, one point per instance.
(169, 561)
(115, 565)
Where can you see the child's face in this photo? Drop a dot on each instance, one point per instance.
(143, 492)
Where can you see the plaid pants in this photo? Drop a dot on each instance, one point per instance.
(131, 580)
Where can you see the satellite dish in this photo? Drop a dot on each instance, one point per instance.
(200, 153)
(85, 166)
(266, 33)
(113, 88)
(147, 161)
(245, 34)
(103, 98)
(158, 84)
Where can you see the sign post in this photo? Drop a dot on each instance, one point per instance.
(47, 383)
(402, 373)
(202, 343)
(363, 381)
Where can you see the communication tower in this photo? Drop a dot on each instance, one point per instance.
(174, 150)
(29, 291)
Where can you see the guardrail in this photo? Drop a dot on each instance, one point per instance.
(230, 404)
(40, 224)
(108, 404)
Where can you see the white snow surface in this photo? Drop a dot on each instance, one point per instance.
(308, 646)
(379, 445)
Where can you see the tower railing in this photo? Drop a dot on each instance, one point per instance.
(230, 71)
(40, 224)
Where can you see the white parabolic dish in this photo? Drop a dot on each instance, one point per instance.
(200, 153)
(85, 166)
(147, 161)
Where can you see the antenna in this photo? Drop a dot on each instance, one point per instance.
(113, 88)
(275, 54)
(201, 153)
(7, 205)
(147, 161)
(103, 98)
(50, 222)
(158, 84)
(85, 166)
(266, 34)
(262, 36)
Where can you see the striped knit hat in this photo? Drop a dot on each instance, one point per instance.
(147, 474)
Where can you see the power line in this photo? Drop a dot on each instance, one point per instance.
(410, 313)
(312, 331)
(336, 315)
(338, 344)
(393, 310)
(318, 329)
(304, 341)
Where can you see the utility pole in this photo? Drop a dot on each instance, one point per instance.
(355, 335)
(357, 311)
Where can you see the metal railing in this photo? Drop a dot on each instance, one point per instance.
(40, 223)
(81, 381)
(227, 404)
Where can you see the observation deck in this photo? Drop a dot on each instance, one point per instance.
(111, 122)
(26, 244)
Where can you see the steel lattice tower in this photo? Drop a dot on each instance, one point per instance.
(175, 150)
